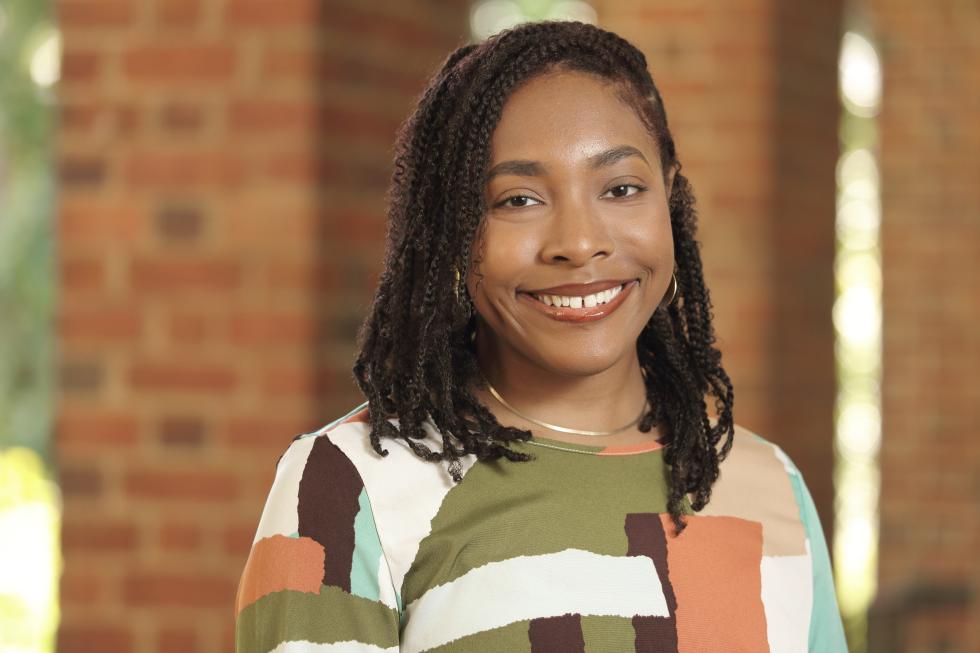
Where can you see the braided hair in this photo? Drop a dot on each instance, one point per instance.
(415, 359)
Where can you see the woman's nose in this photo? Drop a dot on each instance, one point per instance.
(576, 233)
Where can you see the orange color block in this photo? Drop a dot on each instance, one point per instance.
(279, 563)
(714, 568)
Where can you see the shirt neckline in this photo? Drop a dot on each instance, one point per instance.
(594, 450)
(539, 442)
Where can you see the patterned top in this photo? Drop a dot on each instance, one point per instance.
(570, 552)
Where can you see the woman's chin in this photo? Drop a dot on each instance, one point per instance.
(578, 364)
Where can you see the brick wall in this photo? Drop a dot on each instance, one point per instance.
(222, 165)
(751, 96)
(930, 460)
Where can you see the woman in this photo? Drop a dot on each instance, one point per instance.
(542, 327)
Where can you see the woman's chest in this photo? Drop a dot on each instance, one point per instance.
(580, 566)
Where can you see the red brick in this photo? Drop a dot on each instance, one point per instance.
(82, 15)
(260, 328)
(312, 168)
(100, 324)
(303, 277)
(351, 122)
(81, 274)
(95, 427)
(407, 32)
(297, 382)
(182, 431)
(98, 535)
(263, 432)
(356, 226)
(277, 230)
(182, 485)
(83, 221)
(179, 536)
(292, 62)
(165, 275)
(81, 171)
(282, 13)
(79, 480)
(80, 376)
(76, 586)
(298, 168)
(349, 68)
(88, 637)
(238, 538)
(126, 119)
(184, 170)
(178, 14)
(667, 14)
(228, 638)
(190, 328)
(80, 66)
(278, 115)
(179, 223)
(78, 118)
(177, 589)
(177, 640)
(182, 117)
(186, 377)
(184, 63)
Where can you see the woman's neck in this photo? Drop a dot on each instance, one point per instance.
(592, 400)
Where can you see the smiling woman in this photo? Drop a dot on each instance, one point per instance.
(541, 325)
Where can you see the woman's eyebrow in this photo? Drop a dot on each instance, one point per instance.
(526, 168)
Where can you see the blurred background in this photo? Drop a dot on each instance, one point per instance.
(192, 223)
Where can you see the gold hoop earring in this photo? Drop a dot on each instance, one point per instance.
(673, 294)
(456, 285)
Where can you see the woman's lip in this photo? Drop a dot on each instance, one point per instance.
(569, 314)
(580, 289)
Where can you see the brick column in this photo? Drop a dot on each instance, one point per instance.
(930, 460)
(222, 167)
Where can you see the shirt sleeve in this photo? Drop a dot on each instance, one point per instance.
(826, 627)
(316, 573)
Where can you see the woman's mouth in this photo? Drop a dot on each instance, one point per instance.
(583, 308)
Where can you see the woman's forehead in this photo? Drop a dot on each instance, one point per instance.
(567, 117)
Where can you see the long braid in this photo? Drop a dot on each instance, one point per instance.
(415, 361)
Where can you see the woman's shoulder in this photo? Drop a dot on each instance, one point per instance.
(346, 441)
(299, 450)
(753, 451)
(758, 482)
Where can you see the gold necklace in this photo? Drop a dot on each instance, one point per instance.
(562, 429)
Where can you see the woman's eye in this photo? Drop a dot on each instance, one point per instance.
(521, 199)
(623, 187)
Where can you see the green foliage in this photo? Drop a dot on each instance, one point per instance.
(26, 240)
(25, 121)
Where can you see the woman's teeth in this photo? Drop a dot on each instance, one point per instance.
(587, 301)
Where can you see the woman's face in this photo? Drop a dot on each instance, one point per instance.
(575, 196)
